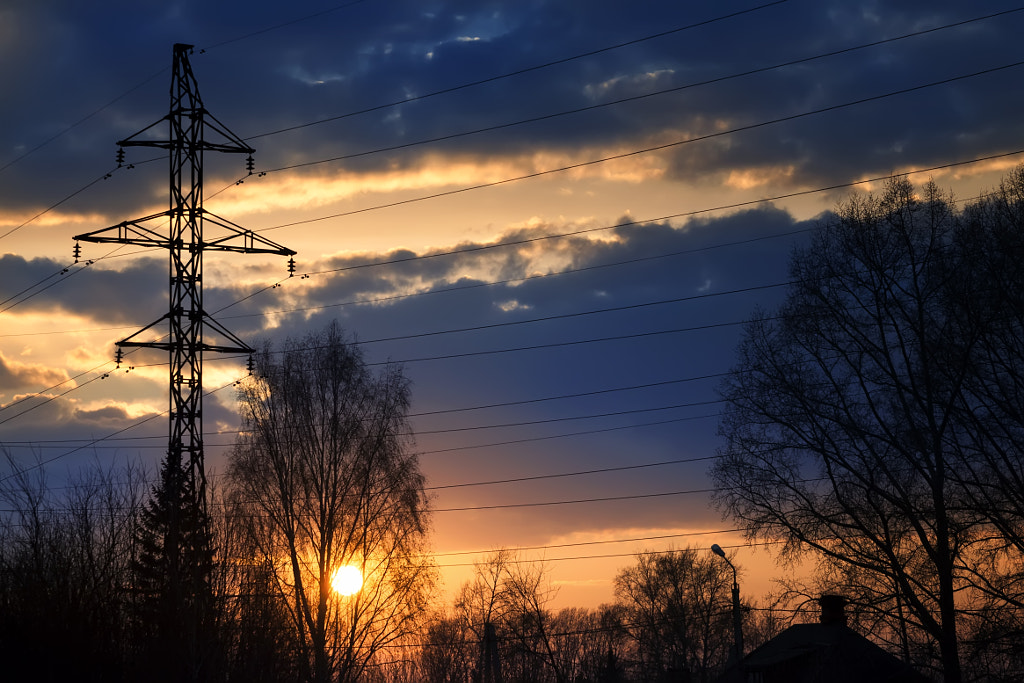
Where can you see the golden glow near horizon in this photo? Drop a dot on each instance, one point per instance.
(347, 580)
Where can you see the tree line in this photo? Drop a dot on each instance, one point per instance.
(76, 602)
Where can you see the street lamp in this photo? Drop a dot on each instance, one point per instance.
(737, 616)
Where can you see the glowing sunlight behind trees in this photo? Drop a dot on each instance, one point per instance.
(327, 491)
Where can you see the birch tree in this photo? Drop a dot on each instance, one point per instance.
(324, 478)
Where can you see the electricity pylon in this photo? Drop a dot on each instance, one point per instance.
(186, 241)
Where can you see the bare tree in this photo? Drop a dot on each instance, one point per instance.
(323, 477)
(989, 296)
(506, 608)
(677, 609)
(852, 426)
(481, 606)
(255, 630)
(529, 620)
(448, 653)
(588, 644)
(65, 579)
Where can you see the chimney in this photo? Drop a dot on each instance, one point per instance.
(833, 609)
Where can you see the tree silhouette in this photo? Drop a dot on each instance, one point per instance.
(322, 476)
(174, 606)
(873, 420)
(678, 608)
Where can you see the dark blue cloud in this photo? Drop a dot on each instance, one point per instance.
(68, 62)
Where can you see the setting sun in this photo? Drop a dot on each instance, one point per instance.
(347, 580)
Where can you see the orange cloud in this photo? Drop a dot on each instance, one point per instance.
(113, 413)
(50, 218)
(748, 179)
(293, 190)
(17, 375)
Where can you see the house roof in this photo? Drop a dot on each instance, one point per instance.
(832, 653)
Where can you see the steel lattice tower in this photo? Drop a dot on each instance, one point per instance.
(190, 124)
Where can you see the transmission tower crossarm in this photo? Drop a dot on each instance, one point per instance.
(129, 232)
(251, 243)
(131, 142)
(130, 340)
(234, 143)
(238, 239)
(234, 345)
(231, 143)
(239, 345)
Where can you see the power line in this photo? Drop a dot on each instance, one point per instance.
(43, 463)
(53, 398)
(36, 289)
(500, 245)
(521, 423)
(664, 218)
(559, 475)
(955, 24)
(597, 392)
(578, 544)
(548, 503)
(543, 560)
(565, 316)
(657, 147)
(447, 411)
(553, 345)
(114, 434)
(95, 369)
(68, 129)
(654, 148)
(53, 206)
(578, 314)
(284, 24)
(572, 434)
(696, 84)
(553, 420)
(68, 271)
(51, 388)
(518, 72)
(533, 347)
(152, 78)
(529, 347)
(474, 447)
(78, 331)
(638, 496)
(46, 279)
(602, 470)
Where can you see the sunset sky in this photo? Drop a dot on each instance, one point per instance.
(555, 214)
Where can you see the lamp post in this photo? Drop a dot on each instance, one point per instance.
(737, 616)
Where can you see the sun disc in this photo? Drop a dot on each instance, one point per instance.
(347, 580)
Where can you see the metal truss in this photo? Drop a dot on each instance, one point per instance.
(193, 131)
